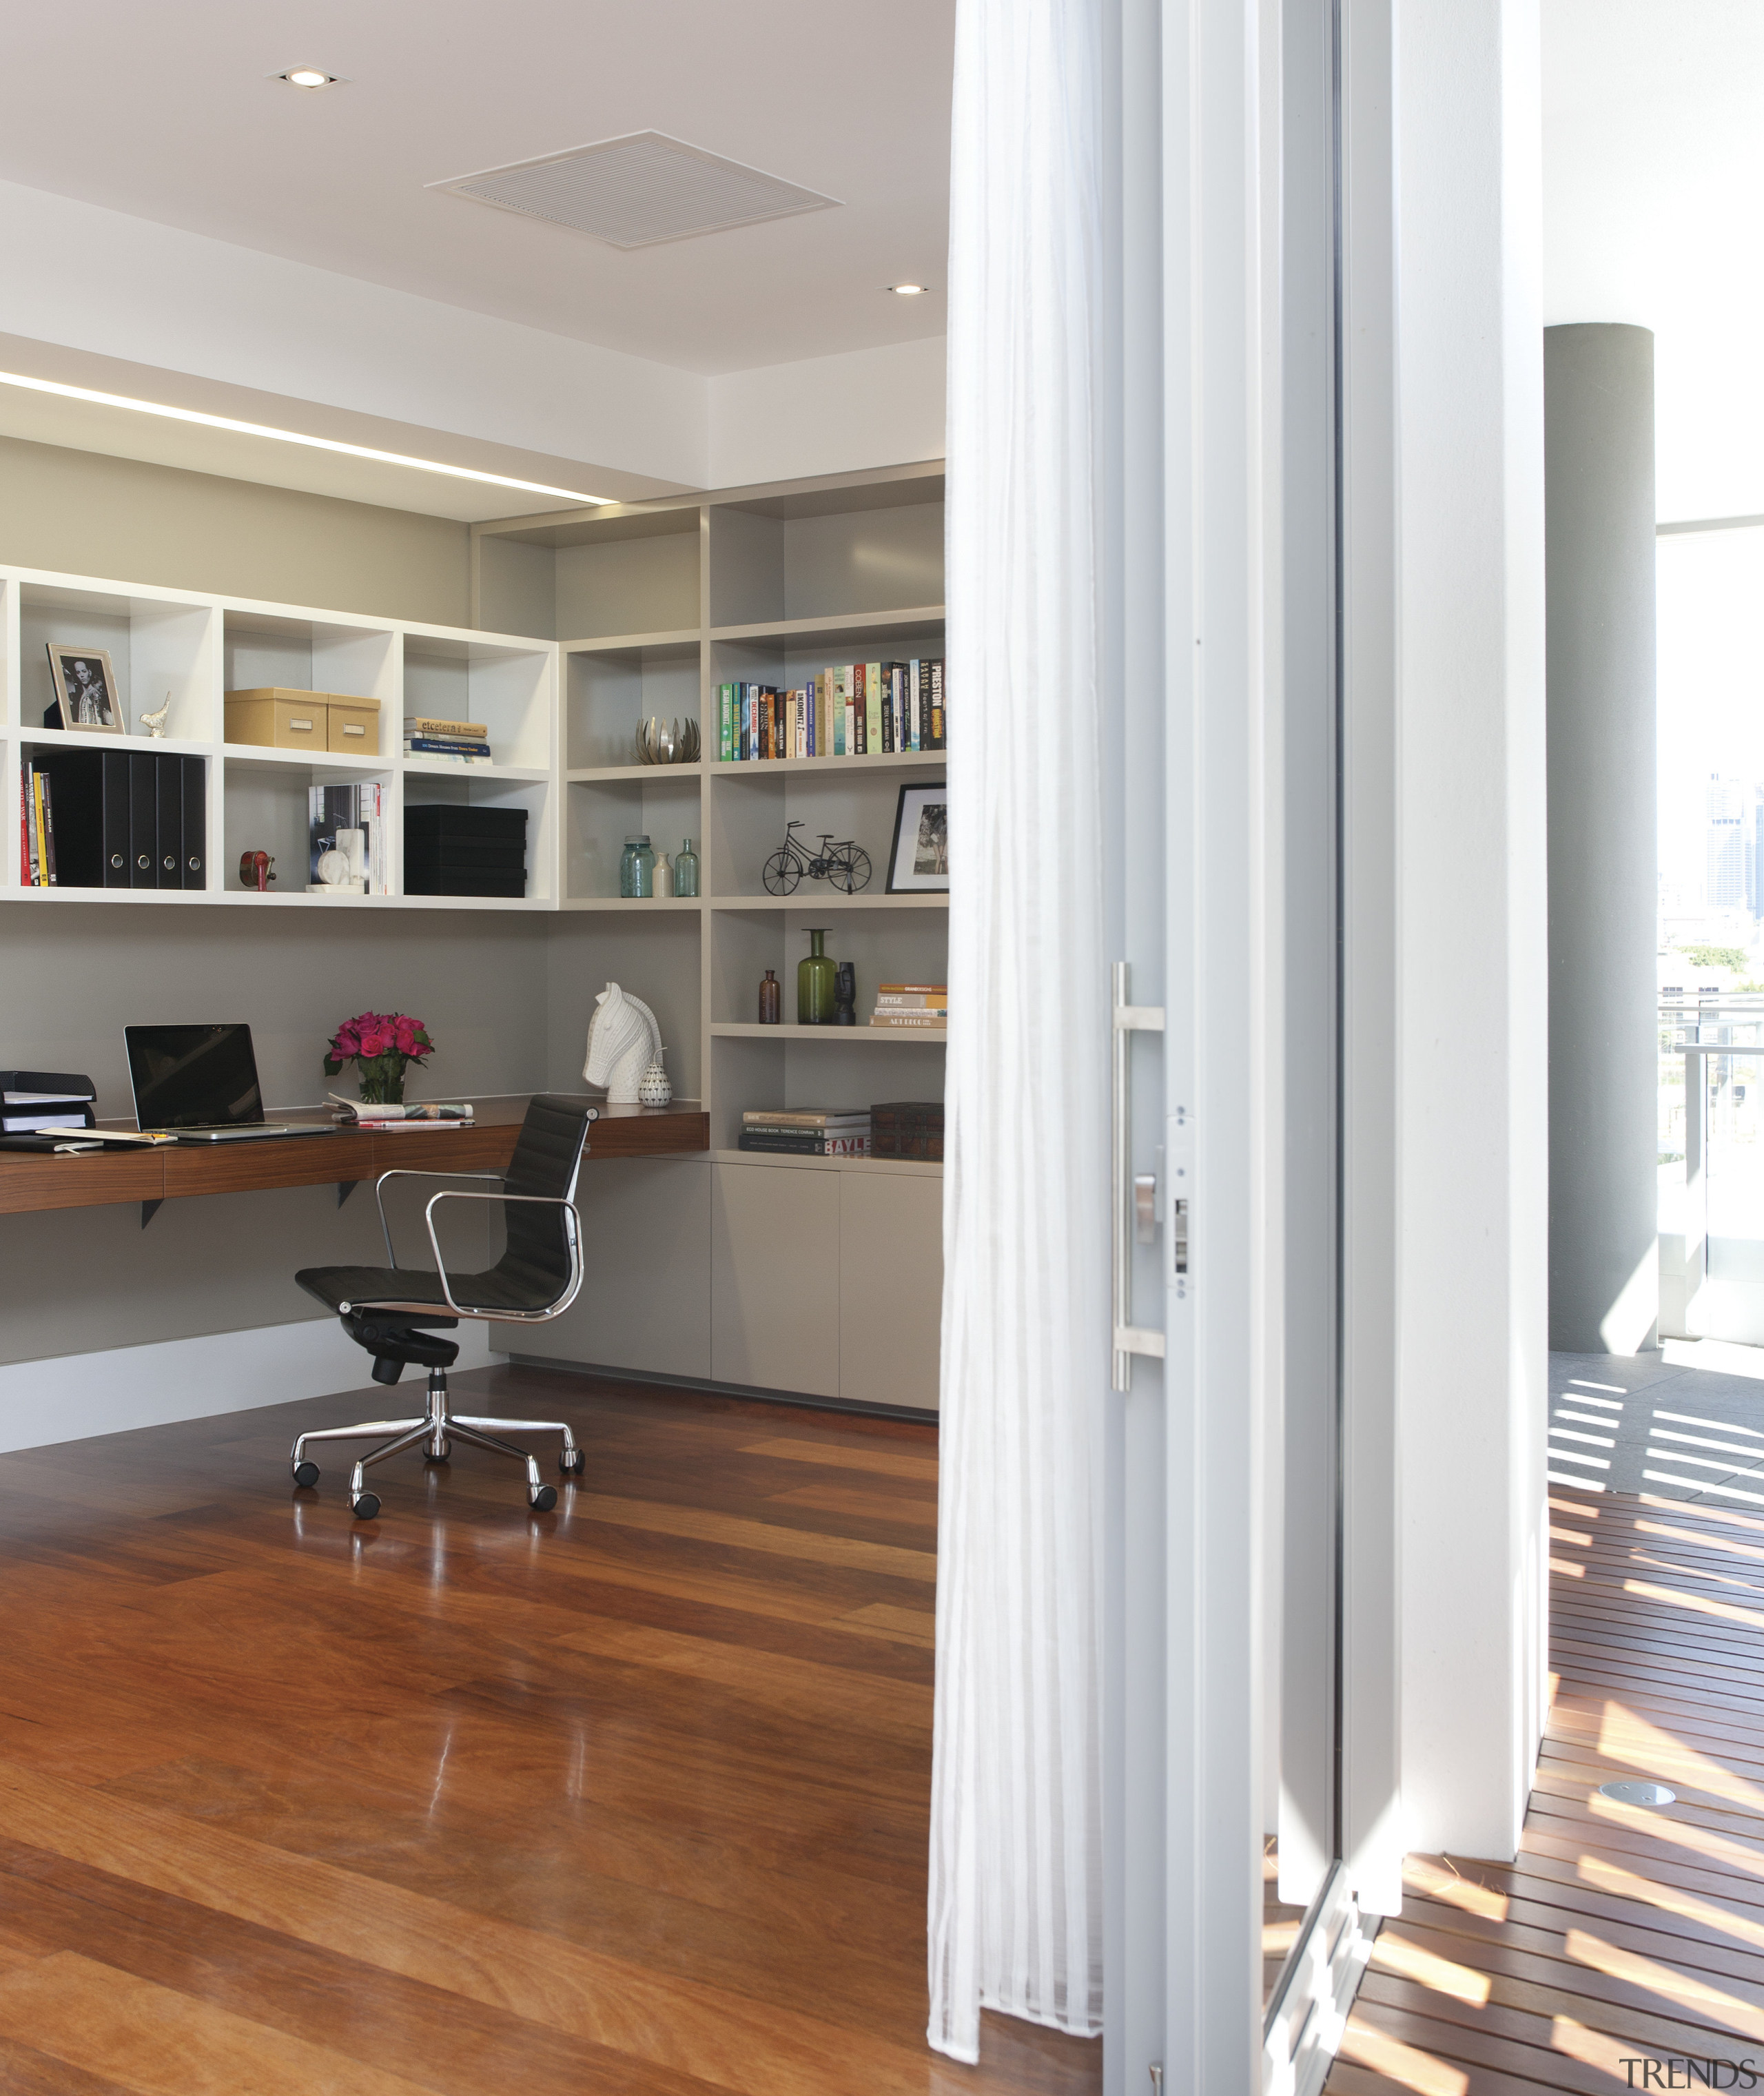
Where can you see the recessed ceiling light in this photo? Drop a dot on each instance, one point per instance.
(308, 77)
(907, 290)
(291, 437)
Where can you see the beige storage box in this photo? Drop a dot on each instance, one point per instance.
(274, 717)
(355, 726)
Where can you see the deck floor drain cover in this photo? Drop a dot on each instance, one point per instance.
(1638, 1793)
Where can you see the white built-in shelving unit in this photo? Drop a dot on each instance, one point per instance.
(653, 605)
(664, 601)
(192, 648)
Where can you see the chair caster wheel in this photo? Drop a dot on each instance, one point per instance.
(367, 1507)
(572, 1462)
(429, 1456)
(541, 1498)
(306, 1474)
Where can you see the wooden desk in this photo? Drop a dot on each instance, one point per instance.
(342, 1158)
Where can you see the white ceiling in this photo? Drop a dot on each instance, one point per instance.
(1653, 187)
(168, 113)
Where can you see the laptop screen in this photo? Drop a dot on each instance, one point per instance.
(193, 1076)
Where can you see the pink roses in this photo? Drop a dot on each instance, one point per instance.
(386, 1041)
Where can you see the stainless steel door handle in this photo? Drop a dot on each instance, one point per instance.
(1134, 1200)
(1144, 1207)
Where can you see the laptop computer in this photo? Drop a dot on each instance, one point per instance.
(200, 1083)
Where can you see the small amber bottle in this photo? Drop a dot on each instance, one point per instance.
(772, 1000)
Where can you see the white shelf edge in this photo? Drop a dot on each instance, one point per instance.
(747, 1029)
(893, 760)
(801, 900)
(625, 643)
(597, 775)
(845, 622)
(910, 1168)
(247, 756)
(63, 738)
(642, 902)
(421, 767)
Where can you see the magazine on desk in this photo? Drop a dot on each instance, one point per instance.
(377, 1114)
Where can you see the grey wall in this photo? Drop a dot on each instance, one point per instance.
(80, 1279)
(87, 513)
(1600, 513)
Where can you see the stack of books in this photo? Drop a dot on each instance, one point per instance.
(912, 1007)
(808, 1131)
(850, 709)
(446, 742)
(37, 833)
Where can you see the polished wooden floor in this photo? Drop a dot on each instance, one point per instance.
(627, 1799)
(1623, 1939)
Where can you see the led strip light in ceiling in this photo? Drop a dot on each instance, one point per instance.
(290, 437)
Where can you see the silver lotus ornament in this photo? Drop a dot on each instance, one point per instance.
(667, 742)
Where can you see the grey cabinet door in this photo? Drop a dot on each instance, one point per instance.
(890, 1287)
(645, 1299)
(775, 1290)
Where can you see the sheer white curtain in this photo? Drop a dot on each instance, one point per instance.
(1016, 1903)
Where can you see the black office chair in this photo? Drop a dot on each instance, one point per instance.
(392, 1310)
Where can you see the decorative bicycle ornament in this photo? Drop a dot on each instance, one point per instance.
(846, 866)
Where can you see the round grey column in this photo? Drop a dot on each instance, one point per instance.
(1599, 465)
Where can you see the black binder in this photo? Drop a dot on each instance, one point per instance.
(143, 820)
(169, 828)
(102, 799)
(194, 848)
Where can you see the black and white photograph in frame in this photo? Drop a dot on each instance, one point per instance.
(85, 689)
(918, 864)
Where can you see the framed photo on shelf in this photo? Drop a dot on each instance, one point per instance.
(919, 862)
(85, 689)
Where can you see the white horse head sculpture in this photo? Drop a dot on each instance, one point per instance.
(624, 1040)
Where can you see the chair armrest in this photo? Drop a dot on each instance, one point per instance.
(571, 1232)
(410, 1171)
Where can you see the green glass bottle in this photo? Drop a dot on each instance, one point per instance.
(817, 984)
(686, 870)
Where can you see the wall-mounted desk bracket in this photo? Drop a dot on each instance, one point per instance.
(345, 1188)
(149, 1210)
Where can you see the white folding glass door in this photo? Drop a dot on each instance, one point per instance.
(1230, 1799)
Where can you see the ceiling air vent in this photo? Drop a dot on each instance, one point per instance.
(634, 192)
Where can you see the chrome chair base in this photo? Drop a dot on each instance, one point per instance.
(436, 1432)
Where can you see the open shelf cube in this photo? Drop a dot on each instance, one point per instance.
(599, 814)
(468, 787)
(267, 806)
(814, 552)
(301, 652)
(609, 694)
(160, 648)
(750, 806)
(459, 677)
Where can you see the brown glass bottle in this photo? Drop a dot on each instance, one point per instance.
(772, 1000)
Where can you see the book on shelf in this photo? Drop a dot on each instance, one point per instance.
(350, 820)
(910, 1007)
(449, 731)
(817, 1120)
(847, 709)
(430, 754)
(789, 1143)
(37, 828)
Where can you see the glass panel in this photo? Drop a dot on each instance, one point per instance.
(1711, 943)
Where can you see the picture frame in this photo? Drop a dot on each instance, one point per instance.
(919, 862)
(85, 689)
